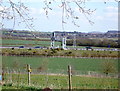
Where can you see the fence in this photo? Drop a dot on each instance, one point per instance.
(60, 79)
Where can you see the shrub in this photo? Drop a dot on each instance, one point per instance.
(108, 67)
(8, 84)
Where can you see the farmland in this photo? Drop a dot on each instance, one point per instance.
(50, 66)
(37, 42)
(54, 72)
(55, 64)
(61, 82)
(19, 42)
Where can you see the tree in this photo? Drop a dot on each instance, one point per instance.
(16, 10)
(108, 67)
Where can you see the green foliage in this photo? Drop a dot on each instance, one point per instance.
(69, 53)
(8, 84)
(94, 42)
(59, 52)
(108, 67)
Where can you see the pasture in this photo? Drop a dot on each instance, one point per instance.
(18, 42)
(56, 64)
(52, 72)
(87, 73)
(61, 82)
(38, 42)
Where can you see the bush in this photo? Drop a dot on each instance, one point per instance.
(8, 84)
(108, 67)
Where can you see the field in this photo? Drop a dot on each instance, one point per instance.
(61, 82)
(17, 42)
(53, 72)
(57, 63)
(50, 67)
(39, 42)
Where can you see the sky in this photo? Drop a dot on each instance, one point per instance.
(105, 17)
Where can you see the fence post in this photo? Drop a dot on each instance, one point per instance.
(69, 75)
(3, 74)
(29, 71)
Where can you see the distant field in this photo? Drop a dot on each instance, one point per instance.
(105, 38)
(33, 43)
(57, 65)
(91, 47)
(16, 42)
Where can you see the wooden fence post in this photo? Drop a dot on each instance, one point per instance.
(3, 74)
(69, 75)
(29, 71)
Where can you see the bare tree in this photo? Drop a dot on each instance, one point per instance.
(15, 10)
(68, 12)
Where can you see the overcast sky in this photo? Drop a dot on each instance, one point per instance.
(105, 17)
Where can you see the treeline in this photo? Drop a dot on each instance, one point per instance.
(94, 42)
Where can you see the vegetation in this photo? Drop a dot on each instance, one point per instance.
(46, 42)
(16, 59)
(58, 52)
(108, 67)
(19, 42)
(43, 68)
(61, 82)
(95, 42)
(57, 65)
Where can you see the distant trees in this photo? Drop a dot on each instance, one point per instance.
(94, 42)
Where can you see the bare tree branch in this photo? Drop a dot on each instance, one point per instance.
(17, 10)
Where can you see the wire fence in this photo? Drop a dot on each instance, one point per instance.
(58, 78)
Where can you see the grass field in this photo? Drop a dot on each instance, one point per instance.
(53, 69)
(57, 64)
(61, 82)
(33, 43)
(16, 42)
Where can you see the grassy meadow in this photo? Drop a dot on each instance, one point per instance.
(17, 42)
(57, 64)
(61, 82)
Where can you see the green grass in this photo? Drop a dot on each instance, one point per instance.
(6, 42)
(61, 82)
(16, 42)
(91, 47)
(56, 64)
(0, 87)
